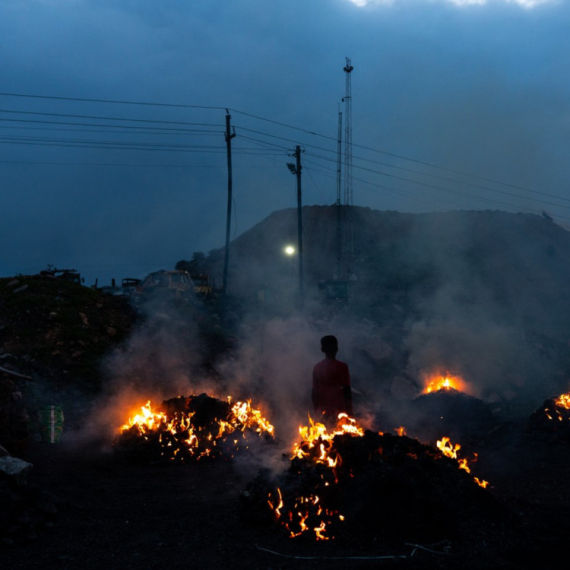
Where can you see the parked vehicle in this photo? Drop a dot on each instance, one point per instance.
(176, 283)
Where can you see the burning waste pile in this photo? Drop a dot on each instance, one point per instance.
(445, 408)
(362, 485)
(552, 420)
(186, 429)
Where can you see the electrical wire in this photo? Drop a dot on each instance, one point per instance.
(281, 124)
(285, 125)
(114, 101)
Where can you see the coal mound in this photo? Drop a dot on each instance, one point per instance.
(448, 413)
(194, 428)
(550, 422)
(387, 487)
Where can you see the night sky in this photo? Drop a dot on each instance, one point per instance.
(455, 105)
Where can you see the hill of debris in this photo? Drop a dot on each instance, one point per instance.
(483, 294)
(55, 330)
(513, 261)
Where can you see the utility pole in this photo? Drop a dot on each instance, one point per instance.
(296, 169)
(229, 136)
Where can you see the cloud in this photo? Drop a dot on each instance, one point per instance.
(521, 3)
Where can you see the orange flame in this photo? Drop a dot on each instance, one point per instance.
(447, 382)
(450, 450)
(179, 432)
(563, 401)
(559, 410)
(316, 445)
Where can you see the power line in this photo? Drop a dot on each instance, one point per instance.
(114, 101)
(99, 118)
(281, 124)
(404, 169)
(446, 179)
(146, 128)
(481, 198)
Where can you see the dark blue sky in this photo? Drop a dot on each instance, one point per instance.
(480, 89)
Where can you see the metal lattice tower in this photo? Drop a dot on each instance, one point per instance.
(348, 136)
(339, 199)
(348, 233)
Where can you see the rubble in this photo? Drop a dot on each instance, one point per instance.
(47, 321)
(14, 469)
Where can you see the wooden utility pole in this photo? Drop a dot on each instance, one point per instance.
(229, 136)
(299, 220)
(296, 170)
(338, 200)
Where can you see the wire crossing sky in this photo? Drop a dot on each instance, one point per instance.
(112, 118)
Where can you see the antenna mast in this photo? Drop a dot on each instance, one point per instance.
(348, 198)
(339, 199)
(348, 135)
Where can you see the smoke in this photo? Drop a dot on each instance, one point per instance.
(470, 344)
(274, 364)
(436, 296)
(161, 360)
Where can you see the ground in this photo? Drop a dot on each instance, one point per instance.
(118, 515)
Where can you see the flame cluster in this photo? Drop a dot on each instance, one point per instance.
(308, 514)
(306, 502)
(444, 382)
(450, 450)
(176, 437)
(560, 410)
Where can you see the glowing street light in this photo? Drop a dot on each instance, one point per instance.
(289, 250)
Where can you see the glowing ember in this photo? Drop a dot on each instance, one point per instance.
(190, 429)
(558, 408)
(563, 401)
(447, 382)
(450, 450)
(401, 431)
(307, 513)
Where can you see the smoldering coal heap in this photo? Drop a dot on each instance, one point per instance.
(352, 482)
(190, 428)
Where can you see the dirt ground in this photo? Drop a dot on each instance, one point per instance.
(117, 515)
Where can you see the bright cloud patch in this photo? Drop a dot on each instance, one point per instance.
(522, 3)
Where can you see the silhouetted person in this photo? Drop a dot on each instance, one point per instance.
(331, 383)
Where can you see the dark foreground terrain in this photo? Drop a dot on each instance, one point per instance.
(117, 515)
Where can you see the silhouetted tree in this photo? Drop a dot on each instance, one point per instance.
(196, 266)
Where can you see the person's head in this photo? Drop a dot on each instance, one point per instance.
(329, 345)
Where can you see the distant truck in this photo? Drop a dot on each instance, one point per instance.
(202, 286)
(177, 283)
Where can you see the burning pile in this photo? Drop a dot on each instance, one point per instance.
(552, 419)
(356, 483)
(445, 408)
(190, 428)
(444, 382)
